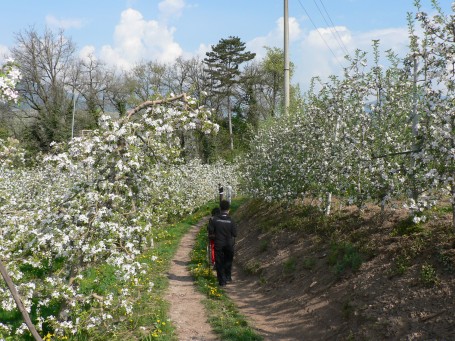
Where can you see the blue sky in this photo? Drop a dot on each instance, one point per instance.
(124, 32)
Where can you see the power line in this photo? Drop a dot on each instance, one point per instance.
(331, 26)
(312, 22)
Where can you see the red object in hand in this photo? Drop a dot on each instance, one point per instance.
(212, 251)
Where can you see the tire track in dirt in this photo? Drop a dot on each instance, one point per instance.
(186, 310)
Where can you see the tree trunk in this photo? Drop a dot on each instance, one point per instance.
(231, 138)
(453, 216)
(20, 305)
(328, 203)
(329, 194)
(415, 121)
(452, 200)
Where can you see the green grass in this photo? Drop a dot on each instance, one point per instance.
(253, 267)
(225, 318)
(309, 263)
(407, 227)
(446, 262)
(428, 275)
(290, 265)
(264, 245)
(150, 320)
(344, 256)
(401, 264)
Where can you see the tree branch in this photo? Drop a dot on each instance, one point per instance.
(19, 303)
(396, 153)
(147, 104)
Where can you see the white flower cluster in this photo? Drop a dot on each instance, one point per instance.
(9, 77)
(377, 134)
(98, 200)
(11, 154)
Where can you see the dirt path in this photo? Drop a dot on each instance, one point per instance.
(273, 317)
(313, 303)
(186, 310)
(267, 315)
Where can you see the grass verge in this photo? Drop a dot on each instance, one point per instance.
(151, 321)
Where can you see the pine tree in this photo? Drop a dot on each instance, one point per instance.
(223, 67)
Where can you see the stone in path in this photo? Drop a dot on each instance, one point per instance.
(186, 310)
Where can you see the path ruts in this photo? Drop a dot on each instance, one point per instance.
(186, 310)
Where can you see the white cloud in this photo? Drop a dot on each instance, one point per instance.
(294, 28)
(63, 23)
(275, 37)
(171, 8)
(390, 38)
(202, 50)
(329, 38)
(321, 52)
(86, 52)
(4, 53)
(136, 39)
(313, 57)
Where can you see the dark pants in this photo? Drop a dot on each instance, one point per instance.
(224, 255)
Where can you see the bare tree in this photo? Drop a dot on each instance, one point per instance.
(118, 91)
(92, 87)
(183, 76)
(45, 62)
(147, 80)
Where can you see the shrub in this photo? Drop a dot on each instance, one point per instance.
(344, 256)
(428, 275)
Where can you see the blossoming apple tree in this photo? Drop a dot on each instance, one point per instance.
(9, 76)
(95, 201)
(377, 134)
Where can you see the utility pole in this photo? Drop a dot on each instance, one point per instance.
(286, 57)
(74, 111)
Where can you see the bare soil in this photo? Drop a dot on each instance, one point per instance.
(186, 310)
(295, 278)
(294, 283)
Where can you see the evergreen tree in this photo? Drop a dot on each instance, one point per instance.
(223, 67)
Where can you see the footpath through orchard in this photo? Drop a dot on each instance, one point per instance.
(188, 315)
(186, 310)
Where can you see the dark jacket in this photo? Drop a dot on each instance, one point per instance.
(224, 230)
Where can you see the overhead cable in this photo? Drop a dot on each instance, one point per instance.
(322, 37)
(332, 26)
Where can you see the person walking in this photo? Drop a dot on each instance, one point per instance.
(229, 192)
(224, 230)
(220, 192)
